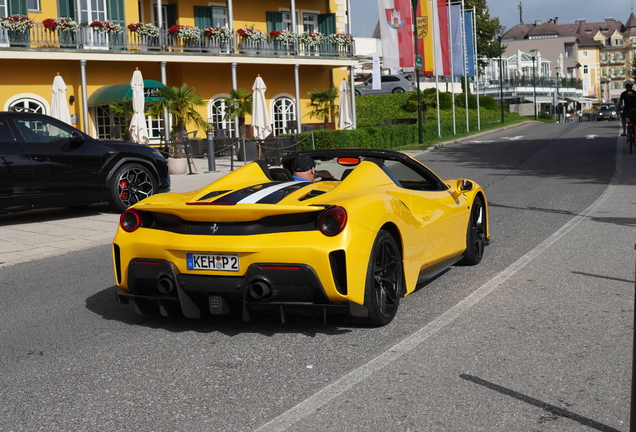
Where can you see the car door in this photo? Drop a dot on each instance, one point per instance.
(443, 217)
(66, 165)
(16, 180)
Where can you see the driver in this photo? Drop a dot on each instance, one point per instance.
(627, 101)
(305, 169)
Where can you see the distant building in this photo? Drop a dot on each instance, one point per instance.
(598, 54)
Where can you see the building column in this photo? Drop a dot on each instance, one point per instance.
(237, 132)
(297, 91)
(352, 94)
(84, 96)
(166, 116)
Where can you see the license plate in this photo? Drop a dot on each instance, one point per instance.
(212, 262)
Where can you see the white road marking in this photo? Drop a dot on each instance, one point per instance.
(513, 138)
(591, 136)
(334, 390)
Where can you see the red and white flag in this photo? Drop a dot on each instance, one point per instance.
(396, 29)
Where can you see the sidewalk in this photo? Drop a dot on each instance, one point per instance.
(38, 234)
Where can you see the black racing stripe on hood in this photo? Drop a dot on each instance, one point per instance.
(273, 198)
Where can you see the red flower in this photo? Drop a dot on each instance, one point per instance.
(274, 33)
(174, 29)
(133, 27)
(49, 23)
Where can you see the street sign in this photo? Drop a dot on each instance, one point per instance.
(418, 62)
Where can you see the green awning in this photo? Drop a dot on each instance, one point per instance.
(109, 94)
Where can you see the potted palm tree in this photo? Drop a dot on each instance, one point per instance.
(181, 104)
(237, 105)
(323, 106)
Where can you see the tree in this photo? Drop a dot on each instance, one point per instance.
(124, 108)
(238, 105)
(487, 30)
(323, 105)
(631, 69)
(181, 103)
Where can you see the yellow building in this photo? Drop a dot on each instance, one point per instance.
(99, 47)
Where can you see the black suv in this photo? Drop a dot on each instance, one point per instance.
(47, 163)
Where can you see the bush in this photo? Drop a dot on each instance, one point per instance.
(489, 103)
(544, 116)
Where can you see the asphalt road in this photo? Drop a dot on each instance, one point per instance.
(538, 337)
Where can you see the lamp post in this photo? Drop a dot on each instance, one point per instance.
(500, 32)
(556, 106)
(534, 81)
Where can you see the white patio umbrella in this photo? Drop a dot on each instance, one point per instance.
(261, 121)
(138, 129)
(59, 106)
(519, 64)
(345, 116)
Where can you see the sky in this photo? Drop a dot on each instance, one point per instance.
(365, 12)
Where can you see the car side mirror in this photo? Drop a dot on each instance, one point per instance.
(462, 186)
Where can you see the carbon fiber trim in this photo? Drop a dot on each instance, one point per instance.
(269, 225)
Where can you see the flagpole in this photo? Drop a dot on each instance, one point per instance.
(452, 77)
(464, 49)
(437, 64)
(476, 66)
(417, 74)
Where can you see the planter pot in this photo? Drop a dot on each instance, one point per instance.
(177, 166)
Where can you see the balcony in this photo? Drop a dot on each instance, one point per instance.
(87, 38)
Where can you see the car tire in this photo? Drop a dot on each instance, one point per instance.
(398, 90)
(357, 93)
(130, 184)
(475, 234)
(385, 281)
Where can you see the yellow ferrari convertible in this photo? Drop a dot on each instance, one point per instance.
(263, 240)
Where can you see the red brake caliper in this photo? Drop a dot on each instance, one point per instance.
(123, 187)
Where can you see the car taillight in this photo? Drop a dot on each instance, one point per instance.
(130, 220)
(332, 221)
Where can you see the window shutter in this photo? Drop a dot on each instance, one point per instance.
(274, 21)
(66, 9)
(203, 16)
(18, 7)
(327, 23)
(116, 12)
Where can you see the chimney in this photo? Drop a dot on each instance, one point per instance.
(537, 23)
(556, 20)
(609, 19)
(581, 20)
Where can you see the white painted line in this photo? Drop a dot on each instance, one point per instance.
(334, 390)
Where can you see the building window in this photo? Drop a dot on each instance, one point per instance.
(284, 116)
(33, 5)
(92, 11)
(584, 54)
(569, 51)
(585, 70)
(27, 105)
(310, 22)
(216, 117)
(155, 128)
(3, 8)
(109, 126)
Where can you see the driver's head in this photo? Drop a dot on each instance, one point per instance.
(305, 167)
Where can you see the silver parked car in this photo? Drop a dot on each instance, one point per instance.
(389, 84)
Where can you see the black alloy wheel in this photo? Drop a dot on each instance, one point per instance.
(476, 234)
(385, 281)
(131, 184)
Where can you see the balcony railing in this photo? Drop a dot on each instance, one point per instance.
(88, 38)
